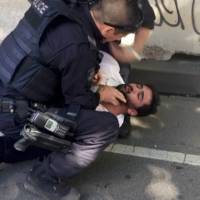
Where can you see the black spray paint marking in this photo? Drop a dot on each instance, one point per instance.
(162, 9)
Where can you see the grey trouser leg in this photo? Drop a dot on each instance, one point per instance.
(96, 130)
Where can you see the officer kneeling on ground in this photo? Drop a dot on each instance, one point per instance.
(48, 62)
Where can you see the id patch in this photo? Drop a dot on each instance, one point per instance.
(40, 6)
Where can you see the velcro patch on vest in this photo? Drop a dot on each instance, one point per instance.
(40, 6)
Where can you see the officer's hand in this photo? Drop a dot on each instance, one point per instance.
(111, 95)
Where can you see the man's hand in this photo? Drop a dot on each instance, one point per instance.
(122, 54)
(111, 95)
(131, 53)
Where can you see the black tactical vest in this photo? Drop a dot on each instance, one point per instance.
(21, 66)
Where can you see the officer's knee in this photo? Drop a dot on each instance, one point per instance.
(96, 128)
(108, 129)
(71, 163)
(86, 156)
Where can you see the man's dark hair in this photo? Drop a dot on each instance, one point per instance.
(152, 107)
(124, 15)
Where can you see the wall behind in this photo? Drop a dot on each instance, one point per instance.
(177, 26)
(11, 12)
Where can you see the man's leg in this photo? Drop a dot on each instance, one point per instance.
(125, 129)
(125, 70)
(95, 131)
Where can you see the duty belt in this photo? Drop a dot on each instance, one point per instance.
(52, 130)
(7, 105)
(18, 106)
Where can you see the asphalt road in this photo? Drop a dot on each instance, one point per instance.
(159, 161)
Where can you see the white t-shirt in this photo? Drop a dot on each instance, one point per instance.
(110, 75)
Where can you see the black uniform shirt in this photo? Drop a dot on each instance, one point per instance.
(148, 13)
(66, 49)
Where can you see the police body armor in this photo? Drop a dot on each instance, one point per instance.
(22, 68)
(21, 65)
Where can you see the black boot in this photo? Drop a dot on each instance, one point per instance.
(40, 183)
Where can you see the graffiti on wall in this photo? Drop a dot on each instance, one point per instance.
(165, 11)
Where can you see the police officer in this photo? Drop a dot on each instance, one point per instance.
(50, 59)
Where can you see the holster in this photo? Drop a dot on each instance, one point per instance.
(32, 136)
(49, 130)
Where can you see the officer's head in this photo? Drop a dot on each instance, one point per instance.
(116, 18)
(141, 99)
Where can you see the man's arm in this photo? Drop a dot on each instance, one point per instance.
(141, 37)
(131, 53)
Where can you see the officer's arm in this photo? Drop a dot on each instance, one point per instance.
(77, 69)
(68, 53)
(77, 76)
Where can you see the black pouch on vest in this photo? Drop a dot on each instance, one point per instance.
(33, 136)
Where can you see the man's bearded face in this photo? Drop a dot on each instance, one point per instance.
(137, 95)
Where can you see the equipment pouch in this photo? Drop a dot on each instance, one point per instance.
(33, 136)
(52, 123)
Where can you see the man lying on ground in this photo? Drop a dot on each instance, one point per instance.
(141, 99)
